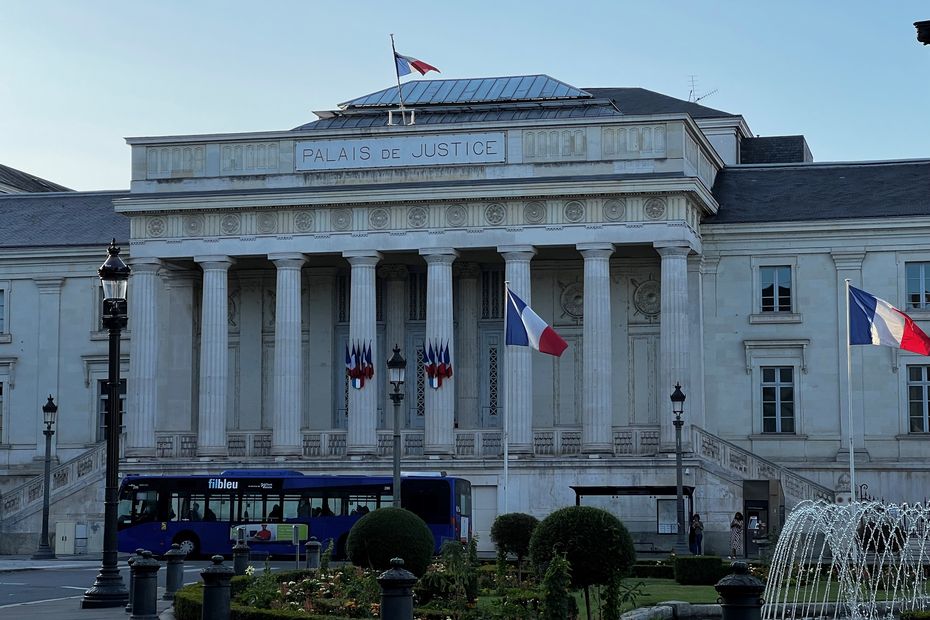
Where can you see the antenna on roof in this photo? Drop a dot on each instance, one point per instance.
(693, 97)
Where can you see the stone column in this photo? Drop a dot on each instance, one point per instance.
(848, 264)
(363, 403)
(395, 321)
(176, 383)
(142, 384)
(214, 355)
(48, 353)
(320, 319)
(467, 308)
(518, 363)
(673, 338)
(288, 370)
(597, 360)
(439, 437)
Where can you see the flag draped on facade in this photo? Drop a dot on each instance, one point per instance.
(437, 363)
(359, 366)
(524, 328)
(875, 321)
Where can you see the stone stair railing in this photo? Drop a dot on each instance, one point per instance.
(748, 466)
(87, 468)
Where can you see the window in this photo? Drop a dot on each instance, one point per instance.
(918, 398)
(776, 288)
(2, 311)
(5, 336)
(778, 399)
(104, 393)
(917, 277)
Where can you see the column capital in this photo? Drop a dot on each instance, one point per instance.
(215, 261)
(362, 257)
(288, 260)
(441, 256)
(517, 252)
(145, 264)
(49, 285)
(672, 248)
(595, 249)
(848, 260)
(393, 272)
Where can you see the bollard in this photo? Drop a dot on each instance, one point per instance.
(313, 553)
(397, 592)
(145, 588)
(132, 560)
(241, 556)
(216, 590)
(740, 594)
(174, 571)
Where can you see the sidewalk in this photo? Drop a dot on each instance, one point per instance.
(69, 608)
(9, 563)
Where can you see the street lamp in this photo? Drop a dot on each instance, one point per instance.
(108, 589)
(678, 406)
(49, 414)
(397, 369)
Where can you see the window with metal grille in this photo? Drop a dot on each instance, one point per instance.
(776, 288)
(777, 399)
(2, 311)
(492, 294)
(417, 289)
(918, 285)
(104, 393)
(918, 399)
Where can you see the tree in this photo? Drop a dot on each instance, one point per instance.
(389, 533)
(511, 533)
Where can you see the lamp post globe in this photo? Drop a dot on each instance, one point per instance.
(397, 370)
(49, 416)
(108, 589)
(678, 406)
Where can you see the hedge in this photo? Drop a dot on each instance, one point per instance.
(699, 570)
(915, 615)
(657, 571)
(188, 602)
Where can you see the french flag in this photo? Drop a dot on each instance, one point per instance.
(526, 329)
(875, 321)
(406, 63)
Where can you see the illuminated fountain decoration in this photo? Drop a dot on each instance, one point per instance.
(860, 560)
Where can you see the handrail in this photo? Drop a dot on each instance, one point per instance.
(64, 478)
(750, 465)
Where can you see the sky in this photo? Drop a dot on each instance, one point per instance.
(79, 76)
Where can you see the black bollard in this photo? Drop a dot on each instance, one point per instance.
(740, 594)
(132, 559)
(397, 592)
(174, 571)
(216, 590)
(241, 555)
(313, 553)
(145, 587)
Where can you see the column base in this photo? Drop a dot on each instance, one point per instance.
(211, 451)
(362, 450)
(598, 449)
(140, 452)
(287, 451)
(520, 448)
(438, 451)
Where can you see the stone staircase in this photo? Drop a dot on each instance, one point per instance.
(739, 463)
(19, 504)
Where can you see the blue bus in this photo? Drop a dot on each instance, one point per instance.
(206, 514)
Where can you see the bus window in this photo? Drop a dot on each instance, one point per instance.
(296, 507)
(362, 504)
(218, 508)
(187, 506)
(427, 498)
(463, 498)
(252, 508)
(139, 507)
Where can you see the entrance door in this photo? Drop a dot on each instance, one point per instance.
(491, 378)
(415, 385)
(756, 523)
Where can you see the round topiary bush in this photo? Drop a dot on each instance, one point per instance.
(389, 533)
(511, 533)
(596, 544)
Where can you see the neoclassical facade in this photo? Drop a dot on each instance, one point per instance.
(661, 240)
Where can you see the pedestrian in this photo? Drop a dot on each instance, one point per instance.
(696, 536)
(736, 536)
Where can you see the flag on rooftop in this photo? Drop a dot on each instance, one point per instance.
(525, 328)
(407, 63)
(875, 321)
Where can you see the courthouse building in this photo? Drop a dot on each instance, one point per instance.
(662, 240)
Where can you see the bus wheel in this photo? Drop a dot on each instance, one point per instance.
(189, 543)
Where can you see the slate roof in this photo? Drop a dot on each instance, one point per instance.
(774, 150)
(61, 219)
(642, 101)
(26, 182)
(823, 191)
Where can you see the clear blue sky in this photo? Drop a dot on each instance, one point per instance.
(79, 76)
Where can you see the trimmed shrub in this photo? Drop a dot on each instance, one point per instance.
(596, 544)
(188, 601)
(512, 532)
(699, 570)
(915, 615)
(655, 571)
(389, 533)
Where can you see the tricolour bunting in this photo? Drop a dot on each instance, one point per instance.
(359, 366)
(875, 321)
(526, 329)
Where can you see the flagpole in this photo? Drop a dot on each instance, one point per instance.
(506, 415)
(400, 95)
(852, 454)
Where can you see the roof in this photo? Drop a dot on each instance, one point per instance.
(63, 219)
(25, 182)
(636, 101)
(823, 191)
(774, 150)
(471, 90)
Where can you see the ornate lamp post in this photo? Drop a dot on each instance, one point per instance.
(108, 589)
(397, 369)
(49, 414)
(678, 406)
